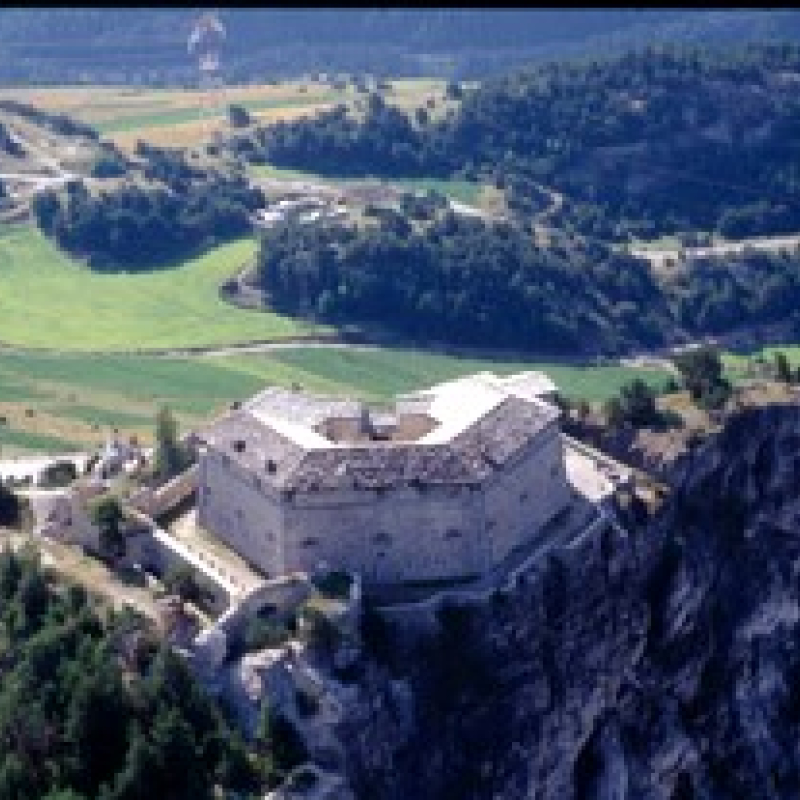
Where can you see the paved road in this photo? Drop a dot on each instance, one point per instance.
(773, 243)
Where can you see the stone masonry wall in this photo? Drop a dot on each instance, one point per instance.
(246, 517)
(525, 495)
(397, 535)
(402, 534)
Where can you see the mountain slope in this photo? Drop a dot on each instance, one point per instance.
(123, 45)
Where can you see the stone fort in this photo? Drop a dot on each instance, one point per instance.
(443, 485)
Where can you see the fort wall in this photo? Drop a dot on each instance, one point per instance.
(404, 533)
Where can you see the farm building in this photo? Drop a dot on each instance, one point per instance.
(443, 485)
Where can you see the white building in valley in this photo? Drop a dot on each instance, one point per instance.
(444, 485)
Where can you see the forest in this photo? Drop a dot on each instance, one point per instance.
(462, 281)
(92, 708)
(178, 211)
(653, 142)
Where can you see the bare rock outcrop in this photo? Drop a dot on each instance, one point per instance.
(659, 660)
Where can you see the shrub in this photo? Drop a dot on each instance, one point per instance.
(10, 507)
(181, 580)
(109, 165)
(260, 633)
(238, 116)
(106, 514)
(59, 473)
(334, 584)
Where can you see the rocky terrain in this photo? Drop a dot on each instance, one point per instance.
(658, 663)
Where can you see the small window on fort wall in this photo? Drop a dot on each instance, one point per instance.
(381, 537)
(309, 542)
(452, 533)
(490, 523)
(523, 497)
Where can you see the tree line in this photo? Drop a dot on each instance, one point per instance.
(58, 123)
(465, 281)
(136, 225)
(91, 708)
(468, 282)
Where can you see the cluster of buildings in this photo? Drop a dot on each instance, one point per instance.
(302, 208)
(446, 484)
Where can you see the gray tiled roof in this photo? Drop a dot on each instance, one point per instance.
(468, 458)
(302, 408)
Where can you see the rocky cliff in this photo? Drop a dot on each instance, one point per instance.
(659, 660)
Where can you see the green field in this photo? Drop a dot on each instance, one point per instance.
(736, 365)
(383, 373)
(63, 402)
(52, 301)
(173, 117)
(464, 191)
(110, 417)
(178, 116)
(274, 173)
(39, 442)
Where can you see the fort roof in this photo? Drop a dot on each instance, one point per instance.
(478, 427)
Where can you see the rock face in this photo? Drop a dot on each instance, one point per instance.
(662, 662)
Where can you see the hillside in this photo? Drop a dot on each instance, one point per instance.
(652, 142)
(467, 282)
(658, 663)
(461, 281)
(92, 706)
(41, 149)
(148, 46)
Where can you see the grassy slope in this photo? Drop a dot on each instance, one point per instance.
(464, 191)
(174, 117)
(49, 300)
(382, 374)
(40, 442)
(736, 365)
(177, 116)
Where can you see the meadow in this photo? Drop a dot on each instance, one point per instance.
(65, 402)
(739, 366)
(468, 192)
(186, 117)
(52, 301)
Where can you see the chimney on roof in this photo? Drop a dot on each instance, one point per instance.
(239, 445)
(271, 466)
